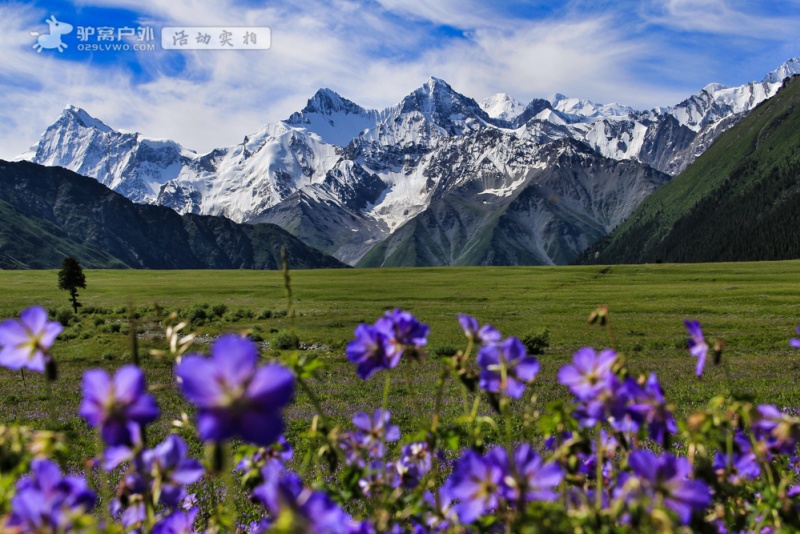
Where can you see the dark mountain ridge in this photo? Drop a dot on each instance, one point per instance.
(66, 213)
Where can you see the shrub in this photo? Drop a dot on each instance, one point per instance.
(65, 316)
(197, 313)
(265, 314)
(444, 351)
(284, 340)
(98, 321)
(115, 327)
(536, 342)
(219, 309)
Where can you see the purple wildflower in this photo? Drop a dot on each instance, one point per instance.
(167, 462)
(25, 343)
(519, 367)
(742, 462)
(46, 501)
(610, 404)
(477, 482)
(281, 450)
(697, 344)
(649, 406)
(371, 351)
(486, 334)
(378, 476)
(415, 462)
(381, 345)
(589, 374)
(403, 329)
(794, 342)
(373, 432)
(118, 406)
(232, 395)
(588, 465)
(312, 511)
(780, 431)
(178, 522)
(668, 476)
(351, 444)
(536, 479)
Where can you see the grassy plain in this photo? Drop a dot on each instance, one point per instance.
(753, 307)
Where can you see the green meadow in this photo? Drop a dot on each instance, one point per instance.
(753, 307)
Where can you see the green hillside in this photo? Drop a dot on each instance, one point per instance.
(33, 243)
(739, 201)
(47, 213)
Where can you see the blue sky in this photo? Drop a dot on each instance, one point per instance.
(642, 53)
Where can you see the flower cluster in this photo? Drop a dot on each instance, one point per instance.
(47, 501)
(603, 396)
(482, 483)
(505, 366)
(607, 459)
(380, 345)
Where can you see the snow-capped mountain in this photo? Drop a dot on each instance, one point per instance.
(344, 178)
(502, 106)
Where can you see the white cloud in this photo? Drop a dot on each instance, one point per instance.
(352, 47)
(720, 17)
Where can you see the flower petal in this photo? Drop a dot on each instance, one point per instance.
(34, 319)
(128, 384)
(236, 357)
(271, 388)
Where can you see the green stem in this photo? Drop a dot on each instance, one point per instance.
(598, 498)
(610, 331)
(51, 404)
(504, 404)
(465, 398)
(386, 385)
(313, 398)
(473, 416)
(438, 402)
(101, 480)
(132, 332)
(228, 484)
(287, 284)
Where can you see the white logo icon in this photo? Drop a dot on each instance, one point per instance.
(53, 39)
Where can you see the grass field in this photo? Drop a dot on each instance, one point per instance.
(754, 307)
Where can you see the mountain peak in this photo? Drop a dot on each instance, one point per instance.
(84, 119)
(502, 106)
(436, 85)
(327, 101)
(789, 68)
(714, 87)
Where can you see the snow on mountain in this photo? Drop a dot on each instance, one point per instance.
(344, 178)
(502, 106)
(335, 119)
(126, 162)
(586, 109)
(671, 138)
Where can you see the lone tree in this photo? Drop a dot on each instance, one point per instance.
(70, 278)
